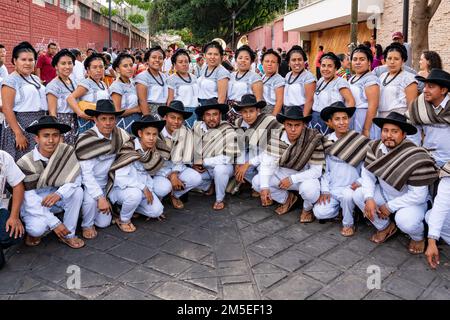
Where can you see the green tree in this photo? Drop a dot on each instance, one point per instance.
(208, 19)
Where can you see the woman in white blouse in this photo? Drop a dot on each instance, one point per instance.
(89, 91)
(24, 102)
(398, 87)
(273, 82)
(243, 81)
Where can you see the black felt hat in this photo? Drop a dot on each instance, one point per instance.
(103, 106)
(211, 104)
(437, 76)
(338, 106)
(249, 100)
(145, 122)
(293, 113)
(174, 106)
(397, 119)
(48, 122)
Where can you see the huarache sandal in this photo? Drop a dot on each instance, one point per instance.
(416, 247)
(381, 236)
(32, 241)
(176, 203)
(219, 206)
(348, 231)
(89, 233)
(127, 227)
(307, 216)
(284, 208)
(74, 243)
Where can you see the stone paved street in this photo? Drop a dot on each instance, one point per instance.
(244, 252)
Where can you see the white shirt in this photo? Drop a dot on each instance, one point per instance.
(239, 86)
(329, 93)
(393, 95)
(3, 71)
(167, 66)
(294, 89)
(359, 87)
(207, 81)
(156, 93)
(133, 175)
(396, 200)
(9, 173)
(440, 213)
(94, 171)
(338, 173)
(185, 90)
(78, 71)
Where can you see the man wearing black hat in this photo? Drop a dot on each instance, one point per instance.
(430, 113)
(298, 167)
(345, 150)
(96, 149)
(11, 228)
(395, 180)
(52, 182)
(130, 176)
(216, 149)
(258, 131)
(180, 140)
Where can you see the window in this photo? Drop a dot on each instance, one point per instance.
(96, 17)
(52, 2)
(66, 4)
(85, 11)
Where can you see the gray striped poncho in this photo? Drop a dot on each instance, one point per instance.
(445, 170)
(90, 145)
(351, 148)
(152, 160)
(405, 164)
(422, 113)
(307, 149)
(181, 146)
(216, 141)
(62, 168)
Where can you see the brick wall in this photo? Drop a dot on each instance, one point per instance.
(23, 21)
(439, 37)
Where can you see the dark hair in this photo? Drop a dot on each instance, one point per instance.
(93, 57)
(434, 59)
(2, 46)
(51, 44)
(105, 49)
(23, 47)
(296, 49)
(280, 50)
(76, 52)
(247, 49)
(60, 54)
(120, 58)
(396, 47)
(367, 44)
(107, 57)
(320, 47)
(139, 58)
(90, 49)
(332, 56)
(363, 49)
(271, 51)
(179, 52)
(213, 44)
(379, 50)
(149, 52)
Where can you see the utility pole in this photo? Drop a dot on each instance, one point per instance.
(405, 19)
(110, 26)
(233, 17)
(354, 25)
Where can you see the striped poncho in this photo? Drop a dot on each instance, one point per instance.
(181, 145)
(62, 168)
(422, 113)
(405, 164)
(351, 148)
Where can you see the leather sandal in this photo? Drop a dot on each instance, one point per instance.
(290, 201)
(255, 194)
(74, 243)
(348, 231)
(127, 227)
(219, 206)
(176, 203)
(388, 232)
(211, 190)
(416, 247)
(90, 233)
(307, 216)
(32, 241)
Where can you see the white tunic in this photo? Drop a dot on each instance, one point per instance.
(185, 90)
(270, 85)
(94, 91)
(157, 90)
(61, 92)
(393, 95)
(329, 94)
(30, 95)
(208, 81)
(359, 89)
(9, 173)
(238, 87)
(127, 91)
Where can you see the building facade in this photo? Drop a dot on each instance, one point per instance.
(272, 36)
(68, 23)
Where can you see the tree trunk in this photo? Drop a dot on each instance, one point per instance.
(422, 14)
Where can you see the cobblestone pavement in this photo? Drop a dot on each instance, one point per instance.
(244, 252)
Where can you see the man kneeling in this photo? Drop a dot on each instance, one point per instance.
(130, 176)
(52, 184)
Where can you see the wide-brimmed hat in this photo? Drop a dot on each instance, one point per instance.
(397, 119)
(174, 106)
(293, 113)
(145, 122)
(437, 76)
(103, 106)
(338, 106)
(249, 100)
(48, 122)
(211, 104)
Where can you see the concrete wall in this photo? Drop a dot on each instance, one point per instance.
(24, 21)
(272, 35)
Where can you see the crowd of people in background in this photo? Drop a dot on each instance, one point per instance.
(105, 135)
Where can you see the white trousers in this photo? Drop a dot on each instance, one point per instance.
(39, 220)
(438, 218)
(309, 190)
(221, 174)
(340, 197)
(161, 186)
(91, 215)
(132, 200)
(409, 219)
(191, 179)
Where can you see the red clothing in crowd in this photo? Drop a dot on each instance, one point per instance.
(48, 73)
(319, 55)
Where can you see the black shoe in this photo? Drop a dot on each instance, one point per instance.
(2, 259)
